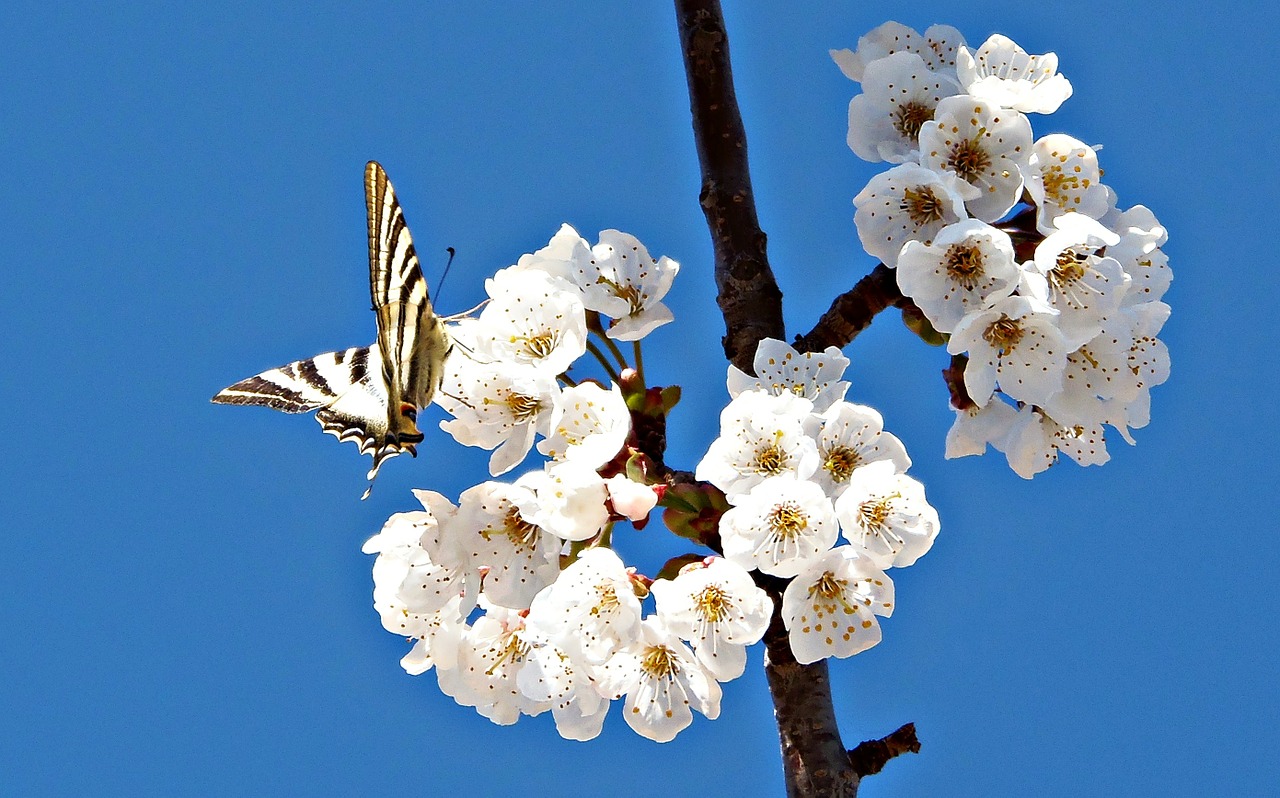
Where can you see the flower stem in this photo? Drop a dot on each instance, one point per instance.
(604, 361)
(638, 356)
(613, 348)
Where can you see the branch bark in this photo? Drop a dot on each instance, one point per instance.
(815, 761)
(748, 294)
(853, 311)
(872, 755)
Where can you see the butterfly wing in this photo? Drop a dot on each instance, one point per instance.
(301, 385)
(344, 387)
(411, 338)
(369, 395)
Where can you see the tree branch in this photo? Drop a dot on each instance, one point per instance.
(852, 311)
(871, 756)
(815, 761)
(748, 294)
(953, 375)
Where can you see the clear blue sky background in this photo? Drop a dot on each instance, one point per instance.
(184, 608)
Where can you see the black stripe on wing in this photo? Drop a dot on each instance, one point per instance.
(396, 286)
(301, 385)
(394, 273)
(360, 416)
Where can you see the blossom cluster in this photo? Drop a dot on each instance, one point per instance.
(1013, 252)
(513, 595)
(800, 466)
(1011, 247)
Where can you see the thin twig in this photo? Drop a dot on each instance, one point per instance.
(871, 756)
(613, 349)
(953, 375)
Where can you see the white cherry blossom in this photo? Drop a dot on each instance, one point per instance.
(977, 426)
(592, 426)
(436, 636)
(1003, 74)
(490, 657)
(532, 318)
(969, 265)
(1148, 357)
(498, 406)
(830, 608)
(561, 257)
(518, 558)
(937, 46)
(1148, 361)
(1016, 344)
(1138, 253)
(402, 546)
(907, 203)
(1073, 276)
(567, 499)
(630, 498)
(899, 94)
(1096, 373)
(761, 436)
(850, 436)
(985, 146)
(718, 609)
(420, 566)
(590, 611)
(780, 369)
(550, 677)
(779, 526)
(886, 517)
(663, 682)
(1034, 441)
(622, 281)
(1063, 177)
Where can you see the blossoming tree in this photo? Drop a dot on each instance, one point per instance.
(1005, 248)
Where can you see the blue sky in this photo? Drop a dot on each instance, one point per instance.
(184, 606)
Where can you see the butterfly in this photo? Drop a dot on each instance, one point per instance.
(369, 394)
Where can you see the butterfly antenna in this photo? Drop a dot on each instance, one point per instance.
(444, 274)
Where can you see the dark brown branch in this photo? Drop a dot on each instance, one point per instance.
(852, 311)
(871, 756)
(814, 760)
(748, 294)
(954, 377)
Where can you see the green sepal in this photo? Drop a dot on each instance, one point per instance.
(693, 510)
(670, 397)
(915, 320)
(638, 467)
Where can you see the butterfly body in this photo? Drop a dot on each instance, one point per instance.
(370, 395)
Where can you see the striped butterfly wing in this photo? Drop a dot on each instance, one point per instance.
(302, 385)
(411, 338)
(369, 395)
(344, 387)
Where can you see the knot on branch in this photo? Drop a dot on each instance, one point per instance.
(871, 756)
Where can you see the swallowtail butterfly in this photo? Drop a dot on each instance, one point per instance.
(369, 394)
